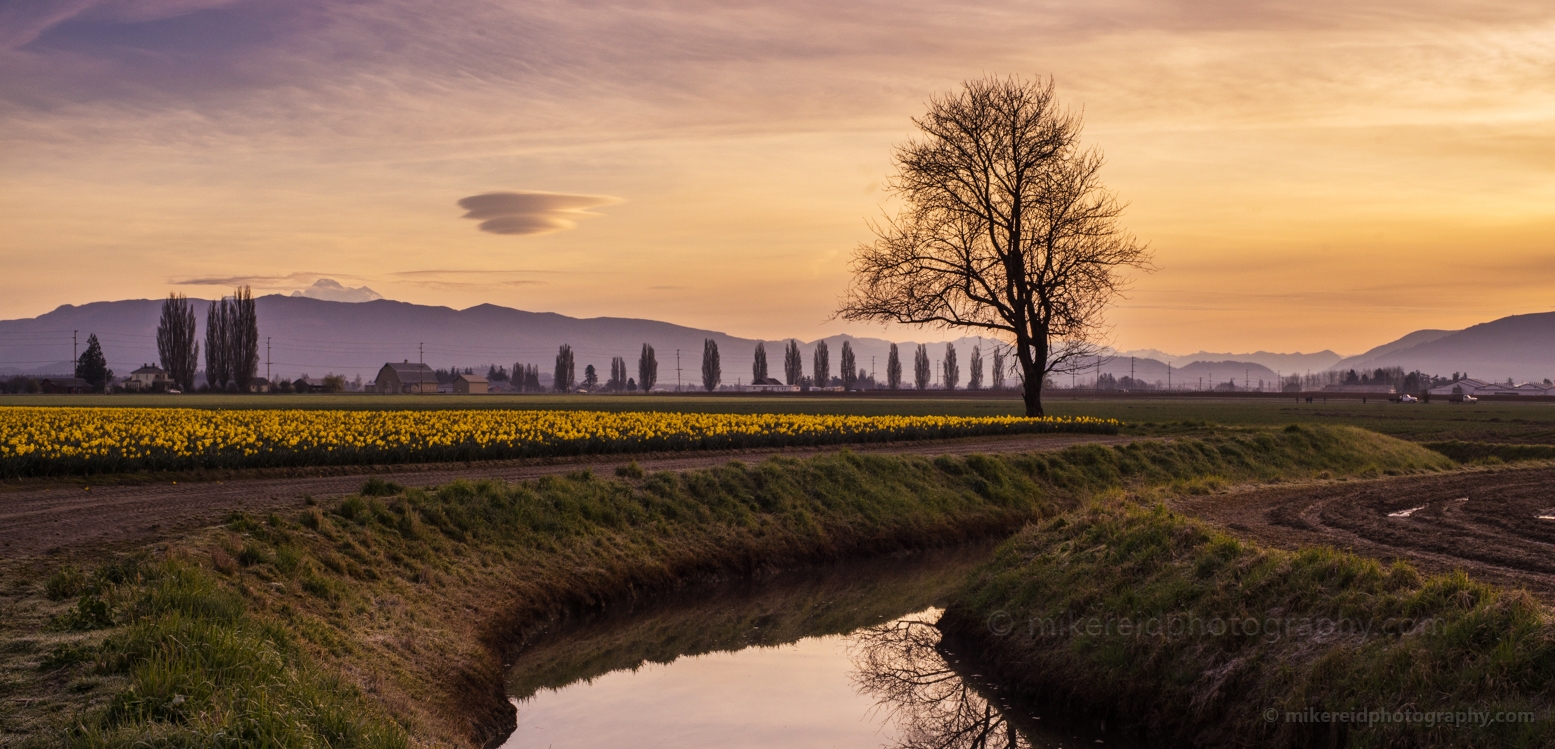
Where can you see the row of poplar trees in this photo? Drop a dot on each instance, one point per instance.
(231, 341)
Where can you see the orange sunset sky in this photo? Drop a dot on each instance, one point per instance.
(1309, 175)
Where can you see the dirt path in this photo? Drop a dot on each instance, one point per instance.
(64, 516)
(1487, 523)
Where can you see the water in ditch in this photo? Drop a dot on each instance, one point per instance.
(843, 657)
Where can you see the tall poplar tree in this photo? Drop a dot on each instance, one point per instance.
(849, 367)
(243, 347)
(951, 370)
(822, 365)
(998, 367)
(922, 370)
(565, 374)
(712, 371)
(647, 369)
(218, 362)
(893, 369)
(974, 365)
(176, 346)
(793, 363)
(759, 365)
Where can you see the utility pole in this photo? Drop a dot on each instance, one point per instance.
(267, 358)
(421, 354)
(677, 370)
(75, 354)
(1168, 375)
(1131, 371)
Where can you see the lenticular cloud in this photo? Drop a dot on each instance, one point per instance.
(530, 212)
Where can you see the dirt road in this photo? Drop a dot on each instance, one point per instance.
(66, 516)
(1499, 526)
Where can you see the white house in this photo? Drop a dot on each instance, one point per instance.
(149, 376)
(771, 385)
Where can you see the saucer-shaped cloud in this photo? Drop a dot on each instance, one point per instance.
(530, 212)
(330, 290)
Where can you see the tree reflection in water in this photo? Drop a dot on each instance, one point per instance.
(932, 707)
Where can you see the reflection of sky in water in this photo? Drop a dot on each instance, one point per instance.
(797, 695)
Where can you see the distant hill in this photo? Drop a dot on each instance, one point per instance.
(1521, 347)
(1190, 376)
(1287, 363)
(315, 336)
(1363, 361)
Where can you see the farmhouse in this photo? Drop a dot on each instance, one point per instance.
(407, 378)
(148, 377)
(470, 384)
(771, 385)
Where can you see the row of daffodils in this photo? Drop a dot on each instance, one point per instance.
(53, 441)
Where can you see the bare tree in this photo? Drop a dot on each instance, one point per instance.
(893, 369)
(243, 341)
(922, 372)
(950, 370)
(218, 362)
(998, 367)
(176, 345)
(566, 373)
(1005, 228)
(759, 365)
(848, 367)
(974, 366)
(712, 370)
(647, 369)
(822, 365)
(793, 363)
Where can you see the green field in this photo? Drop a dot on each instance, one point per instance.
(1484, 422)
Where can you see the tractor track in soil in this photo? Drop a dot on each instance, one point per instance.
(1485, 522)
(71, 514)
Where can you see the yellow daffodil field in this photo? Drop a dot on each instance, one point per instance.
(55, 441)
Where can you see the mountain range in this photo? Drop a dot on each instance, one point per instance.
(307, 335)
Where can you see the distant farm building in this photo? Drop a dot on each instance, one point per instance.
(470, 384)
(148, 377)
(407, 378)
(771, 385)
(65, 386)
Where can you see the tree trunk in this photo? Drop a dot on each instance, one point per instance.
(1033, 366)
(1032, 393)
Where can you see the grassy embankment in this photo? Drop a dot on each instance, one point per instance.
(1316, 629)
(382, 619)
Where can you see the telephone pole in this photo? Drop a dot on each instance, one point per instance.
(421, 354)
(75, 354)
(677, 370)
(267, 358)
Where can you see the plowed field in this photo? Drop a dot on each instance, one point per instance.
(1498, 525)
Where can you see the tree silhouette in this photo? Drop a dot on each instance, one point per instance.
(1005, 226)
(848, 367)
(998, 367)
(218, 361)
(950, 371)
(565, 374)
(590, 377)
(176, 345)
(974, 365)
(618, 374)
(712, 372)
(922, 370)
(93, 365)
(793, 363)
(822, 365)
(759, 365)
(902, 665)
(243, 346)
(893, 369)
(647, 369)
